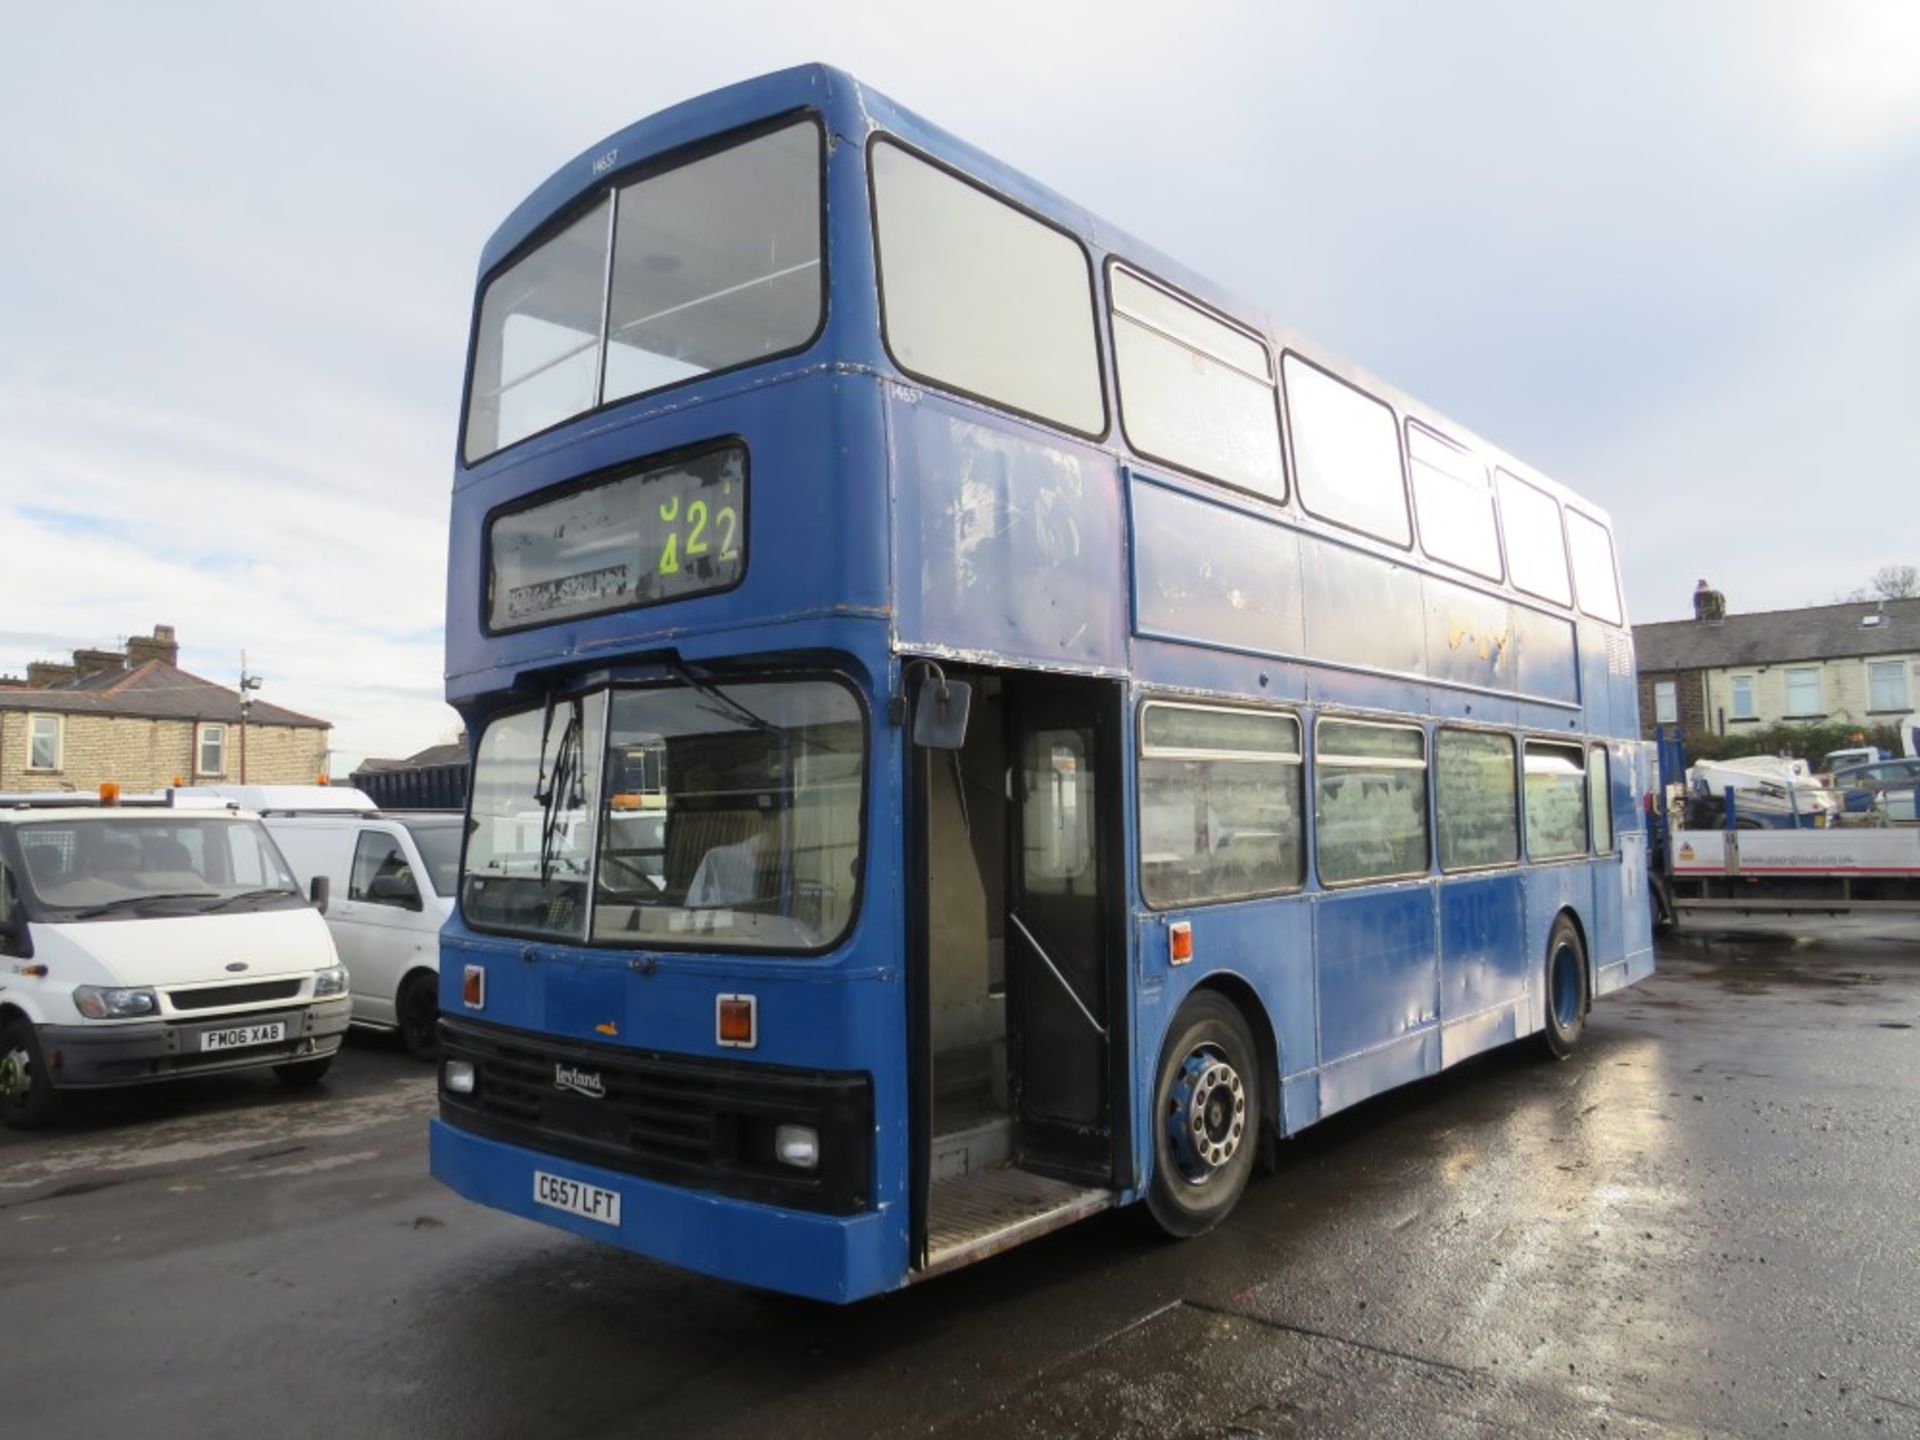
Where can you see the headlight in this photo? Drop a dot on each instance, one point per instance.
(108, 1002)
(330, 982)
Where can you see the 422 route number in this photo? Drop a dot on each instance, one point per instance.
(697, 531)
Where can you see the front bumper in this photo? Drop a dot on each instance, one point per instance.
(90, 1057)
(822, 1257)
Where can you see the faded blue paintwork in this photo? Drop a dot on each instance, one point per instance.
(888, 519)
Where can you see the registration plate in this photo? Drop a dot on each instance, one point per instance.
(589, 1202)
(239, 1037)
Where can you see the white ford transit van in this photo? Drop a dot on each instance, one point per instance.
(149, 939)
(391, 877)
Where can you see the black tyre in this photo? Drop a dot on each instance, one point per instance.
(27, 1097)
(1207, 1116)
(1566, 989)
(302, 1073)
(417, 1008)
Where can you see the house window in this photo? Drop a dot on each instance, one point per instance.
(1743, 698)
(43, 742)
(1886, 685)
(213, 750)
(1803, 691)
(1666, 702)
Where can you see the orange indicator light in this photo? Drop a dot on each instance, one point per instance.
(1180, 941)
(736, 1023)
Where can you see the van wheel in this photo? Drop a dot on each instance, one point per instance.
(1207, 1116)
(1566, 989)
(302, 1073)
(27, 1097)
(418, 1011)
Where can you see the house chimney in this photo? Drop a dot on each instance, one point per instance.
(45, 674)
(92, 662)
(1709, 604)
(161, 645)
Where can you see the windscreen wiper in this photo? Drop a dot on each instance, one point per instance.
(264, 893)
(751, 719)
(563, 784)
(128, 901)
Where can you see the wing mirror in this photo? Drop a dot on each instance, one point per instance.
(940, 710)
(395, 890)
(319, 891)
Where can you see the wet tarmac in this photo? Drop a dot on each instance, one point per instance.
(1707, 1222)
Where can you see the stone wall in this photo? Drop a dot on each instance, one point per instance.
(146, 754)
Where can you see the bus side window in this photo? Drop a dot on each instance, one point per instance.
(1194, 391)
(1370, 801)
(1220, 804)
(1536, 554)
(1346, 453)
(1476, 799)
(1556, 801)
(1600, 798)
(1454, 502)
(1592, 550)
(982, 297)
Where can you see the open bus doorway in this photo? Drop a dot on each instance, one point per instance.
(1016, 965)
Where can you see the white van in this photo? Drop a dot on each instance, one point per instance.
(390, 885)
(151, 939)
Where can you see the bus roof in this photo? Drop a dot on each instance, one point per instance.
(853, 112)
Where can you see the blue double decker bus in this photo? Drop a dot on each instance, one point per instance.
(973, 725)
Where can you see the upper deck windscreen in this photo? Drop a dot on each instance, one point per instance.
(715, 263)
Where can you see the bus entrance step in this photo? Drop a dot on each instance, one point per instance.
(983, 1147)
(973, 1216)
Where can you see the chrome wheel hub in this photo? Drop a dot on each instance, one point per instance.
(1206, 1114)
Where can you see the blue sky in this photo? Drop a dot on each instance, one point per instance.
(1669, 253)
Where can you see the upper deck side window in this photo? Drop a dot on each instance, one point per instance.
(1194, 391)
(983, 298)
(715, 263)
(1454, 501)
(1592, 550)
(1346, 453)
(1536, 554)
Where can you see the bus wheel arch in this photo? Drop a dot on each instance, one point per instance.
(1207, 1112)
(1247, 1000)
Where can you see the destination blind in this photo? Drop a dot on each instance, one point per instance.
(660, 533)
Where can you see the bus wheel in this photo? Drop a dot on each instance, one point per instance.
(1207, 1104)
(418, 1010)
(1566, 989)
(27, 1099)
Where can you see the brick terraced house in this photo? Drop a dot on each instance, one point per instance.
(1853, 663)
(136, 717)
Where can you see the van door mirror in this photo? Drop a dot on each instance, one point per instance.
(940, 714)
(395, 890)
(320, 890)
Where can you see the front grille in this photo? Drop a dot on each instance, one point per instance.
(255, 992)
(707, 1124)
